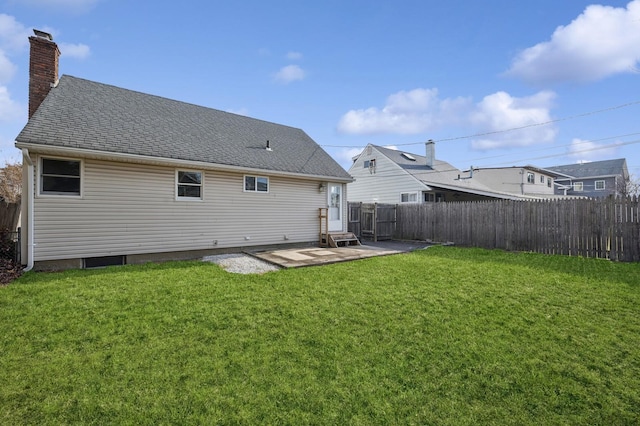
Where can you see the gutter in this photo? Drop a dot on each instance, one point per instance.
(30, 225)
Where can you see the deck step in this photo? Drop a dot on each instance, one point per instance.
(343, 239)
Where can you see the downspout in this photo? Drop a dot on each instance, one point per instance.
(30, 226)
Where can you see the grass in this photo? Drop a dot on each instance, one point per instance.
(441, 336)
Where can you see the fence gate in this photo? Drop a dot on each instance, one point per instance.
(375, 222)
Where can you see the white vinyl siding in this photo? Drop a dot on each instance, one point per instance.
(383, 186)
(132, 209)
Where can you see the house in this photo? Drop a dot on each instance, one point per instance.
(384, 175)
(594, 179)
(114, 176)
(524, 180)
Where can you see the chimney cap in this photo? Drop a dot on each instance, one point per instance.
(43, 34)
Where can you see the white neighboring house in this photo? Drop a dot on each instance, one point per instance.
(384, 175)
(113, 176)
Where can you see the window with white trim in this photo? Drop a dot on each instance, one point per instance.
(188, 185)
(60, 176)
(578, 186)
(256, 184)
(541, 179)
(549, 182)
(531, 177)
(600, 185)
(409, 197)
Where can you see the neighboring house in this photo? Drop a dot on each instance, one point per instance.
(594, 179)
(525, 180)
(114, 176)
(384, 175)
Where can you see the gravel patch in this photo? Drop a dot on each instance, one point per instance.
(241, 263)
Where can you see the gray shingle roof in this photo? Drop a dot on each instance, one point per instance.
(83, 114)
(594, 168)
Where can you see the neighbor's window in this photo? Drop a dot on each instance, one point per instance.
(578, 186)
(60, 177)
(549, 182)
(409, 197)
(189, 184)
(599, 185)
(256, 184)
(541, 179)
(531, 178)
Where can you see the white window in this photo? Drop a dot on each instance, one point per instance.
(409, 197)
(599, 185)
(60, 176)
(531, 177)
(188, 185)
(578, 186)
(256, 184)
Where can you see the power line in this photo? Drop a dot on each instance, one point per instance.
(544, 123)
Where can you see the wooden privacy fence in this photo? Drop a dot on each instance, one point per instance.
(604, 228)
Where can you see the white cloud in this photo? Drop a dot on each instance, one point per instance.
(602, 41)
(500, 111)
(584, 151)
(13, 35)
(289, 74)
(10, 110)
(411, 112)
(7, 68)
(79, 51)
(294, 56)
(502, 119)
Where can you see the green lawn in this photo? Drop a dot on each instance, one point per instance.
(439, 336)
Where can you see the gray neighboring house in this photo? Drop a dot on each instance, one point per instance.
(114, 176)
(594, 179)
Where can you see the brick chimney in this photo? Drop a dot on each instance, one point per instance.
(43, 68)
(430, 147)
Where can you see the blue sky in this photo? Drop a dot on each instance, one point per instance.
(494, 83)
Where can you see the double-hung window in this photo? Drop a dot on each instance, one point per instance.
(60, 176)
(531, 177)
(188, 185)
(409, 197)
(256, 184)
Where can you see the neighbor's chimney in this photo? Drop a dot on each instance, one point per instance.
(43, 68)
(431, 152)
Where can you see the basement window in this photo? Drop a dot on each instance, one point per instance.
(60, 176)
(188, 185)
(256, 184)
(103, 261)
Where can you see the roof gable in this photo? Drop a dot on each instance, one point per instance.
(81, 114)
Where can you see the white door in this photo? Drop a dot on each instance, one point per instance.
(335, 207)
